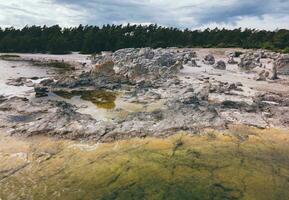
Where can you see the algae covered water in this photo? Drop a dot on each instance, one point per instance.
(242, 163)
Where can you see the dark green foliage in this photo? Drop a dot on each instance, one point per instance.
(286, 50)
(8, 56)
(238, 54)
(93, 39)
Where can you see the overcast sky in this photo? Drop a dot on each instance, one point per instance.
(192, 14)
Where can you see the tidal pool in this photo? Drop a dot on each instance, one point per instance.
(103, 104)
(102, 99)
(242, 163)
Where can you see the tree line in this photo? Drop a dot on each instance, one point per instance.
(93, 39)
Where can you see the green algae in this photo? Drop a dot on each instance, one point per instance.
(241, 163)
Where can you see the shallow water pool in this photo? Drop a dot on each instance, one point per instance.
(242, 163)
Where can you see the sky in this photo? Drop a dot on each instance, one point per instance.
(192, 14)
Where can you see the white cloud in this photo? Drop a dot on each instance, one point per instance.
(19, 13)
(261, 14)
(267, 22)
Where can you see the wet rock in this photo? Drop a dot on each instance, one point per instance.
(209, 59)
(51, 118)
(17, 82)
(41, 91)
(221, 65)
(34, 78)
(47, 82)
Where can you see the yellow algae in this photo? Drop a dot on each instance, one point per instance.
(239, 163)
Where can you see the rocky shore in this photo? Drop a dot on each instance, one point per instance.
(173, 89)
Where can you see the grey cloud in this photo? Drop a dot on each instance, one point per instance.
(226, 11)
(230, 13)
(17, 10)
(181, 13)
(103, 11)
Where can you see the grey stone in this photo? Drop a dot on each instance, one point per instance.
(209, 59)
(221, 65)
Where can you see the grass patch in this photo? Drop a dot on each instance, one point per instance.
(54, 64)
(237, 54)
(9, 56)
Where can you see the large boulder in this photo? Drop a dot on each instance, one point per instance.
(249, 61)
(209, 59)
(41, 91)
(143, 63)
(221, 65)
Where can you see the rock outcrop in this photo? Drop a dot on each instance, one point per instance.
(146, 63)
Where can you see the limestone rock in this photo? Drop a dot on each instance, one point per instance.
(220, 65)
(209, 60)
(249, 61)
(104, 68)
(232, 61)
(282, 65)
